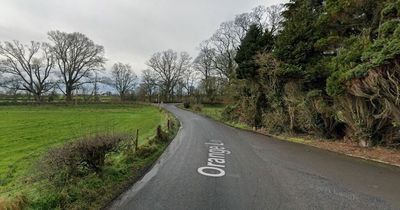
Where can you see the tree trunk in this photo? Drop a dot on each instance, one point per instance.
(38, 97)
(68, 94)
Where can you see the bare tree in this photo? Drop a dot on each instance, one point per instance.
(30, 64)
(205, 65)
(77, 57)
(123, 79)
(149, 83)
(2, 79)
(226, 40)
(170, 67)
(274, 18)
(12, 84)
(189, 79)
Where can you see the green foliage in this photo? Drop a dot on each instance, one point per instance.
(253, 43)
(391, 10)
(388, 28)
(146, 150)
(295, 43)
(327, 52)
(347, 58)
(197, 107)
(228, 113)
(361, 54)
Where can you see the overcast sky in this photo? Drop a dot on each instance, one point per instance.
(130, 30)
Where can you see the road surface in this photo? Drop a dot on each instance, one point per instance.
(252, 171)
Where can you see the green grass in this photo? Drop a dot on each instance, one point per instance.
(29, 131)
(214, 111)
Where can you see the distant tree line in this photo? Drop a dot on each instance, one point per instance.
(68, 63)
(317, 67)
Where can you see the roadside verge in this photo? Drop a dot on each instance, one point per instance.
(376, 154)
(140, 181)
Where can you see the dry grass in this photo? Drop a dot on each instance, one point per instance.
(17, 203)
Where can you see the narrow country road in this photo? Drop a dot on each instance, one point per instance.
(251, 171)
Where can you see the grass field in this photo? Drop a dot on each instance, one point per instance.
(26, 132)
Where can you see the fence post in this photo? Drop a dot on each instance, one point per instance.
(159, 132)
(137, 140)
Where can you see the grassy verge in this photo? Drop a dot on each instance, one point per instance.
(377, 154)
(24, 187)
(214, 111)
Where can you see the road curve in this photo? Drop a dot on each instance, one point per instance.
(260, 173)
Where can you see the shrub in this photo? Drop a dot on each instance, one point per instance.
(197, 107)
(60, 164)
(146, 151)
(92, 151)
(161, 135)
(229, 113)
(276, 122)
(186, 104)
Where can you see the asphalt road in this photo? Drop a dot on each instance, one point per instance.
(260, 173)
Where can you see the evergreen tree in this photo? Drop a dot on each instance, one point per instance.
(253, 43)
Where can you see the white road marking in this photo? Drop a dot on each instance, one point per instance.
(216, 160)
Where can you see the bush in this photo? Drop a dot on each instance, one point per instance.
(92, 151)
(186, 104)
(161, 135)
(146, 151)
(60, 164)
(229, 113)
(197, 107)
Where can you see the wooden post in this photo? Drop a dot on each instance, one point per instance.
(158, 132)
(168, 124)
(137, 140)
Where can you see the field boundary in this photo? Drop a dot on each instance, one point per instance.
(150, 171)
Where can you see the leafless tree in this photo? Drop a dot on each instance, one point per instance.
(189, 80)
(96, 80)
(226, 40)
(170, 67)
(12, 84)
(31, 65)
(242, 22)
(274, 18)
(204, 64)
(123, 79)
(149, 83)
(267, 18)
(77, 57)
(2, 80)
